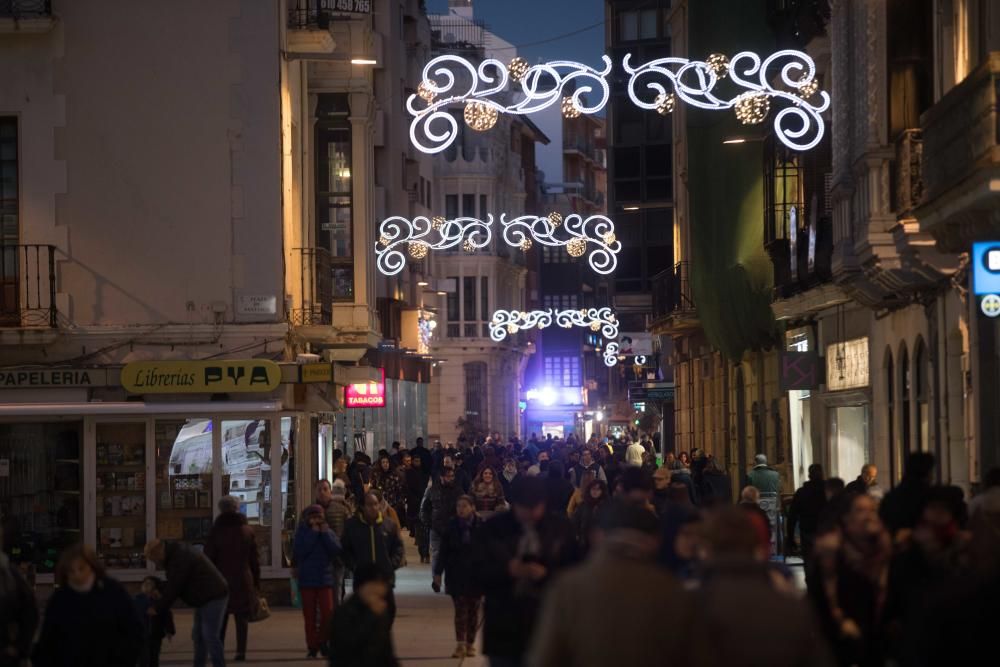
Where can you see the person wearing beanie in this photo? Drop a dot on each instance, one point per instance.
(763, 477)
(314, 549)
(621, 590)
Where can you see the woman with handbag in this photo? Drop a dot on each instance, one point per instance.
(315, 549)
(232, 548)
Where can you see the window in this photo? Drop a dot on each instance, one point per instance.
(9, 236)
(647, 24)
(562, 371)
(552, 255)
(427, 193)
(483, 208)
(451, 207)
(476, 392)
(484, 299)
(469, 311)
(628, 26)
(559, 301)
(334, 207)
(920, 378)
(469, 206)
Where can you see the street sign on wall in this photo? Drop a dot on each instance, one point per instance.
(800, 371)
(650, 392)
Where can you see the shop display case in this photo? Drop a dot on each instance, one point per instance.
(121, 494)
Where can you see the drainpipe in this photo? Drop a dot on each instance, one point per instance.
(934, 323)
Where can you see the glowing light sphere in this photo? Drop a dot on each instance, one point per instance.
(480, 116)
(468, 245)
(808, 86)
(609, 238)
(525, 245)
(576, 247)
(595, 326)
(425, 93)
(665, 103)
(512, 328)
(752, 108)
(555, 218)
(518, 67)
(719, 64)
(569, 109)
(437, 222)
(384, 239)
(417, 249)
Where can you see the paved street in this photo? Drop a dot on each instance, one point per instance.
(423, 630)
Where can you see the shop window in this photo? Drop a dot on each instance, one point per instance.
(562, 371)
(334, 191)
(184, 479)
(289, 509)
(849, 438)
(40, 494)
(483, 207)
(246, 470)
(469, 308)
(920, 379)
(121, 494)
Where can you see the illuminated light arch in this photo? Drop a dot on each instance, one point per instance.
(506, 322)
(397, 234)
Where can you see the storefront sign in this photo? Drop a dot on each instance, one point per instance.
(800, 371)
(365, 394)
(986, 268)
(352, 6)
(650, 391)
(56, 377)
(316, 373)
(847, 364)
(201, 377)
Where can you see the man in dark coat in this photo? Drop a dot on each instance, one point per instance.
(18, 615)
(372, 538)
(517, 554)
(361, 632)
(715, 487)
(901, 508)
(424, 454)
(232, 548)
(559, 489)
(806, 509)
(192, 578)
(438, 508)
(417, 478)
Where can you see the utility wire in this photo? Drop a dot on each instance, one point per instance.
(552, 39)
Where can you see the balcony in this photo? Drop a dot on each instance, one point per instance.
(581, 146)
(28, 287)
(961, 162)
(457, 33)
(309, 25)
(316, 288)
(25, 16)
(673, 306)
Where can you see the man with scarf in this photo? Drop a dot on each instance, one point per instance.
(372, 538)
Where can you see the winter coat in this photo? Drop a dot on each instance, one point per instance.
(156, 627)
(489, 497)
(683, 476)
(511, 607)
(506, 483)
(612, 610)
(455, 558)
(584, 519)
(191, 577)
(579, 470)
(902, 506)
(18, 615)
(764, 479)
(805, 510)
(379, 543)
(99, 628)
(633, 454)
(728, 593)
(416, 487)
(337, 513)
(438, 505)
(391, 485)
(715, 488)
(314, 552)
(359, 638)
(558, 489)
(232, 548)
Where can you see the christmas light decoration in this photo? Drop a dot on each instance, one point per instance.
(506, 322)
(419, 236)
(719, 64)
(525, 245)
(808, 86)
(799, 125)
(665, 103)
(611, 354)
(569, 109)
(575, 235)
(480, 116)
(455, 80)
(437, 222)
(555, 218)
(576, 247)
(424, 92)
(640, 360)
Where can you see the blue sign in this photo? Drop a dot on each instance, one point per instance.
(986, 268)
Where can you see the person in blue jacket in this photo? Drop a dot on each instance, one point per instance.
(314, 550)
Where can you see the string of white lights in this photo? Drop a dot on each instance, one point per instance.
(420, 235)
(576, 235)
(611, 354)
(511, 321)
(485, 92)
(695, 82)
(451, 79)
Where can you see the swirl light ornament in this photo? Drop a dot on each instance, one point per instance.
(511, 321)
(799, 124)
(611, 354)
(420, 235)
(574, 232)
(455, 80)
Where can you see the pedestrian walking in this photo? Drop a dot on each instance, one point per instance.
(487, 491)
(232, 548)
(902, 506)
(333, 499)
(508, 475)
(587, 464)
(867, 482)
(633, 454)
(715, 488)
(438, 507)
(18, 614)
(90, 621)
(681, 474)
(370, 538)
(519, 552)
(193, 579)
(762, 477)
(361, 634)
(559, 489)
(417, 479)
(608, 610)
(315, 549)
(584, 518)
(387, 479)
(157, 627)
(805, 511)
(455, 564)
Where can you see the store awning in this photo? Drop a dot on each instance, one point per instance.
(136, 408)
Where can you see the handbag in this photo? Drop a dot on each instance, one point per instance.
(261, 611)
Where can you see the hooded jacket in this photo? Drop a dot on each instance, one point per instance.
(314, 552)
(378, 542)
(191, 577)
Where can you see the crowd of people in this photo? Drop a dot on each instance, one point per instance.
(556, 549)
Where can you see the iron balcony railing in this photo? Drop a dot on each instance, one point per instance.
(25, 9)
(458, 33)
(28, 286)
(316, 287)
(907, 171)
(672, 291)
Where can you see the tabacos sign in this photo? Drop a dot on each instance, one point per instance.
(201, 377)
(366, 394)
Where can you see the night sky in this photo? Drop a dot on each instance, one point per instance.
(528, 21)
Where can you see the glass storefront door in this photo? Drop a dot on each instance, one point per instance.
(850, 448)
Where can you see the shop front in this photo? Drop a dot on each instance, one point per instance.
(848, 408)
(150, 459)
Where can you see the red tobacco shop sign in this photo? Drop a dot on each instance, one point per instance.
(366, 394)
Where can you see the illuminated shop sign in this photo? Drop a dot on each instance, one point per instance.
(201, 377)
(366, 394)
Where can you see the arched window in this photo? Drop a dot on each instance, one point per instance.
(890, 412)
(920, 387)
(904, 399)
